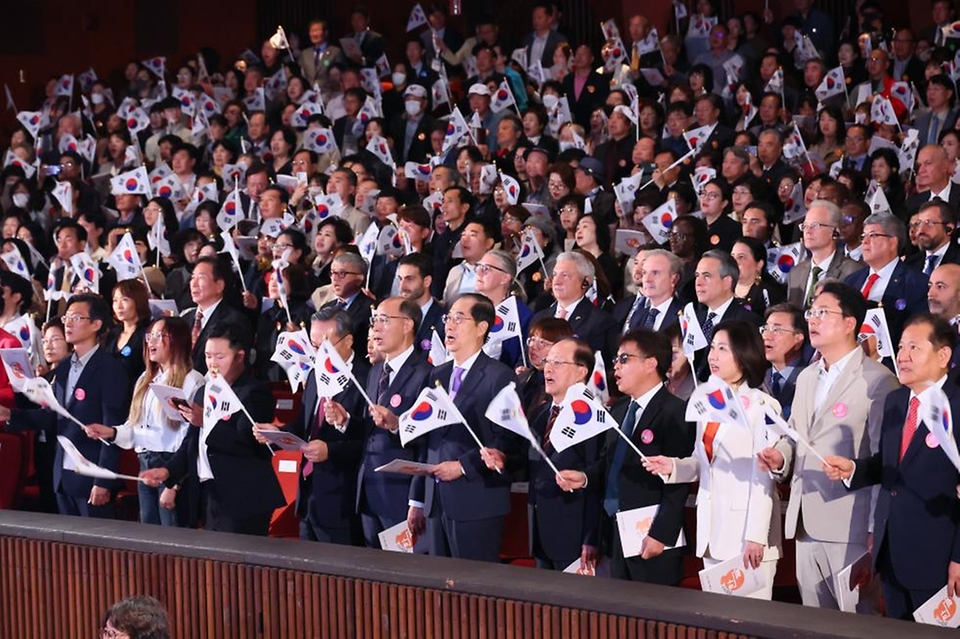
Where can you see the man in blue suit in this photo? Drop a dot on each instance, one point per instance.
(332, 429)
(465, 503)
(92, 386)
(886, 280)
(393, 385)
(916, 528)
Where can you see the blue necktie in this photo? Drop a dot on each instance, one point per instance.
(611, 500)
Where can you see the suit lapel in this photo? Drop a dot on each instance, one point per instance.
(88, 373)
(851, 373)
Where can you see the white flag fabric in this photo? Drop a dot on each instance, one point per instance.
(580, 418)
(775, 84)
(609, 29)
(626, 189)
(31, 121)
(456, 129)
(157, 66)
(257, 101)
(63, 192)
(39, 391)
(136, 182)
(679, 10)
(16, 361)
(368, 243)
(124, 259)
(659, 221)
(502, 98)
(417, 18)
(881, 111)
(295, 355)
(157, 239)
(715, 401)
(506, 322)
(597, 384)
(381, 149)
(15, 263)
(319, 140)
(793, 145)
(702, 176)
(330, 370)
(328, 206)
(23, 329)
(11, 159)
(782, 259)
(693, 337)
(649, 44)
(875, 325)
(304, 112)
(506, 410)
(389, 241)
(161, 171)
(794, 208)
(170, 188)
(230, 213)
(879, 202)
(219, 402)
(432, 409)
(64, 86)
(418, 172)
(697, 137)
(86, 270)
(438, 350)
(511, 188)
(137, 120)
(75, 461)
(903, 91)
(938, 418)
(530, 252)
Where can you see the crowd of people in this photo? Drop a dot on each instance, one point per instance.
(764, 201)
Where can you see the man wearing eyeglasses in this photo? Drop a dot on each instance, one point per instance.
(496, 273)
(886, 281)
(92, 386)
(465, 503)
(784, 333)
(477, 238)
(934, 170)
(855, 148)
(838, 409)
(934, 224)
(348, 272)
(820, 234)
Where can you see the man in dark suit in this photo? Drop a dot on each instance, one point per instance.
(71, 239)
(916, 528)
(572, 277)
(658, 273)
(92, 386)
(934, 223)
(943, 298)
(905, 66)
(207, 284)
(414, 275)
(941, 113)
(238, 488)
(541, 42)
(784, 333)
(370, 42)
(348, 272)
(412, 131)
(707, 113)
(592, 94)
(393, 385)
(934, 169)
(716, 279)
(654, 421)
(590, 180)
(887, 281)
(464, 504)
(332, 428)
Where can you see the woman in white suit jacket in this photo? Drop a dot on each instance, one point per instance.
(738, 511)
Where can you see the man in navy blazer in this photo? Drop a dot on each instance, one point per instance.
(573, 275)
(916, 529)
(92, 386)
(465, 503)
(333, 431)
(658, 274)
(238, 488)
(934, 172)
(886, 280)
(207, 285)
(543, 36)
(393, 385)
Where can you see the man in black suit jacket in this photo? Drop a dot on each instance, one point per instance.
(543, 35)
(886, 280)
(332, 428)
(92, 385)
(411, 132)
(415, 277)
(916, 527)
(657, 272)
(238, 488)
(717, 275)
(935, 224)
(934, 169)
(465, 503)
(654, 421)
(572, 277)
(707, 113)
(592, 95)
(393, 385)
(784, 334)
(370, 42)
(207, 285)
(348, 272)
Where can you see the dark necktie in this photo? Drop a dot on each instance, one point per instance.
(554, 411)
(931, 265)
(611, 499)
(383, 383)
(776, 384)
(708, 326)
(815, 273)
(651, 319)
(638, 304)
(197, 326)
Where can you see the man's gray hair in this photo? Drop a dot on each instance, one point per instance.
(505, 262)
(676, 264)
(891, 226)
(353, 262)
(335, 314)
(832, 210)
(728, 265)
(584, 266)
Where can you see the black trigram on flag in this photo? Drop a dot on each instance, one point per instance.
(441, 414)
(324, 379)
(409, 428)
(512, 327)
(225, 407)
(342, 380)
(568, 431)
(601, 416)
(287, 355)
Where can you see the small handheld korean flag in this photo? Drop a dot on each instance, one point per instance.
(124, 259)
(649, 44)
(432, 409)
(417, 18)
(157, 66)
(693, 337)
(715, 401)
(84, 268)
(879, 202)
(389, 241)
(438, 351)
(328, 206)
(75, 461)
(696, 138)
(580, 419)
(418, 172)
(506, 322)
(137, 120)
(456, 129)
(368, 243)
(875, 325)
(15, 263)
(782, 259)
(63, 191)
(502, 98)
(330, 370)
(219, 402)
(157, 238)
(506, 410)
(170, 188)
(609, 29)
(39, 391)
(257, 101)
(530, 252)
(795, 208)
(64, 86)
(295, 355)
(136, 182)
(319, 140)
(938, 419)
(903, 92)
(702, 176)
(597, 384)
(775, 84)
(511, 188)
(31, 121)
(679, 10)
(626, 189)
(381, 149)
(10, 159)
(881, 112)
(659, 221)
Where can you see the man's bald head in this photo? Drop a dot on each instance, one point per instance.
(943, 295)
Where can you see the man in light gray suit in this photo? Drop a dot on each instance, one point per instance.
(820, 233)
(838, 409)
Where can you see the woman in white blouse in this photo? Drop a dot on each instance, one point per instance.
(738, 511)
(148, 429)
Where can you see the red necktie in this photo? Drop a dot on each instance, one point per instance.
(869, 285)
(554, 411)
(708, 434)
(910, 427)
(197, 326)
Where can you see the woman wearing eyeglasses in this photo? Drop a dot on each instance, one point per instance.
(148, 430)
(738, 511)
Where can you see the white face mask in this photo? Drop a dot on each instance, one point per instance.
(20, 200)
(96, 98)
(412, 107)
(567, 145)
(550, 101)
(398, 79)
